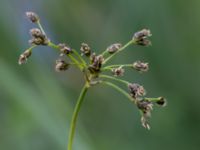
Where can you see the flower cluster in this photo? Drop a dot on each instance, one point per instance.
(38, 37)
(140, 37)
(64, 49)
(95, 69)
(96, 63)
(85, 49)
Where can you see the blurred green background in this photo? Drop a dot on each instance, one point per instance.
(36, 103)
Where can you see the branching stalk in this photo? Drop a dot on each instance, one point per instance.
(119, 90)
(75, 115)
(115, 66)
(40, 26)
(80, 58)
(113, 78)
(54, 46)
(121, 49)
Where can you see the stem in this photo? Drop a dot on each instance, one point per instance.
(40, 26)
(153, 99)
(75, 115)
(113, 78)
(121, 49)
(113, 66)
(52, 45)
(30, 48)
(104, 52)
(119, 89)
(81, 59)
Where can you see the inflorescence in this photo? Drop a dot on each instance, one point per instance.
(94, 66)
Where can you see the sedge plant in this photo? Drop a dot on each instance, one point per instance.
(96, 71)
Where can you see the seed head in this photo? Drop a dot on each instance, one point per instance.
(38, 38)
(140, 37)
(64, 49)
(96, 62)
(144, 33)
(141, 66)
(118, 71)
(39, 41)
(85, 49)
(61, 65)
(161, 102)
(114, 48)
(145, 106)
(35, 32)
(145, 123)
(24, 57)
(93, 57)
(33, 17)
(136, 90)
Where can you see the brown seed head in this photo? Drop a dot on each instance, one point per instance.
(35, 32)
(114, 48)
(96, 62)
(145, 123)
(161, 102)
(118, 71)
(140, 37)
(136, 90)
(85, 49)
(144, 33)
(24, 57)
(61, 65)
(141, 66)
(145, 106)
(38, 38)
(64, 49)
(33, 17)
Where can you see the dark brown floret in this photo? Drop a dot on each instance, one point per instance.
(24, 57)
(64, 49)
(114, 48)
(118, 71)
(161, 102)
(61, 65)
(33, 17)
(38, 38)
(145, 106)
(96, 63)
(85, 49)
(136, 90)
(140, 37)
(141, 66)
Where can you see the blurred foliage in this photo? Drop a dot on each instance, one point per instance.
(36, 103)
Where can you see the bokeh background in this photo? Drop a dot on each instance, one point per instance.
(36, 103)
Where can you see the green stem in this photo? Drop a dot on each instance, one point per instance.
(40, 26)
(116, 79)
(104, 52)
(121, 49)
(75, 115)
(52, 45)
(114, 66)
(119, 89)
(153, 99)
(30, 48)
(81, 59)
